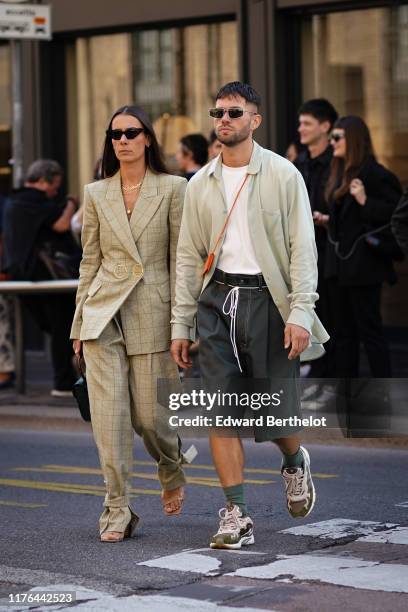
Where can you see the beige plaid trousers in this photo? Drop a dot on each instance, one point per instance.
(123, 399)
(126, 285)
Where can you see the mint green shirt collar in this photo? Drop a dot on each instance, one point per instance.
(254, 166)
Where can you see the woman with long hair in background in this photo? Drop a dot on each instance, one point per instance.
(362, 195)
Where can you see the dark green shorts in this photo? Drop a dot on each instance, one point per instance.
(257, 367)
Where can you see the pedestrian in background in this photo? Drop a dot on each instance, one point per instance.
(78, 218)
(316, 119)
(36, 227)
(214, 148)
(6, 345)
(6, 340)
(294, 149)
(192, 154)
(122, 319)
(362, 196)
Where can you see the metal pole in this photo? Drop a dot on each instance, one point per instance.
(17, 108)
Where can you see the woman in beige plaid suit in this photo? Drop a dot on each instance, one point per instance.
(122, 319)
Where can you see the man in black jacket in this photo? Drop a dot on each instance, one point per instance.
(33, 220)
(316, 119)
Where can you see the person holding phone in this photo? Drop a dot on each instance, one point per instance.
(362, 196)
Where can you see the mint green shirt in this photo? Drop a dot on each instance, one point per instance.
(282, 232)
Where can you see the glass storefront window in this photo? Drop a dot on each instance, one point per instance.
(99, 80)
(172, 73)
(177, 73)
(154, 65)
(359, 61)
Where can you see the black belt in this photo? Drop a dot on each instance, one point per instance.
(239, 280)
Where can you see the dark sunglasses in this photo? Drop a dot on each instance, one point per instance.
(336, 137)
(233, 113)
(130, 133)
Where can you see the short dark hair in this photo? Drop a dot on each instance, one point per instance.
(46, 169)
(321, 109)
(198, 145)
(153, 155)
(236, 88)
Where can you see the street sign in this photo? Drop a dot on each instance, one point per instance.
(28, 21)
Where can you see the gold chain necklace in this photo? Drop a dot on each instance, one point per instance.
(131, 188)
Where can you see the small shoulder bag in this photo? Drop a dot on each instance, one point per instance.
(210, 259)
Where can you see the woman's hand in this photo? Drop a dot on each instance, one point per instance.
(320, 219)
(77, 346)
(358, 191)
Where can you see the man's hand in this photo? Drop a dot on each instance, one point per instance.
(298, 338)
(180, 351)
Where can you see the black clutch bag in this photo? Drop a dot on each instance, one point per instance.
(80, 392)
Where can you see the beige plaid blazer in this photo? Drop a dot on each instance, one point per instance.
(129, 265)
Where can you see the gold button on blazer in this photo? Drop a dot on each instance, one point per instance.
(129, 265)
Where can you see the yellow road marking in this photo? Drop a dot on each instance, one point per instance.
(68, 487)
(207, 481)
(249, 470)
(3, 502)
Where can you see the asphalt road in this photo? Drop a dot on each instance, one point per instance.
(51, 494)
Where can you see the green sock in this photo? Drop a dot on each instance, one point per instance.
(293, 461)
(235, 495)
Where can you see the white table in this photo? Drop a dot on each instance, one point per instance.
(21, 288)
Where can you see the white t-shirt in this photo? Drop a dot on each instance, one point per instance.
(237, 253)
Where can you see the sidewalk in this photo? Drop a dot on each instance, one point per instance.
(37, 409)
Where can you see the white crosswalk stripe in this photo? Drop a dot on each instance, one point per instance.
(340, 570)
(188, 561)
(338, 528)
(344, 569)
(95, 601)
(191, 561)
(399, 535)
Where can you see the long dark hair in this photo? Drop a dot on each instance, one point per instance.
(153, 155)
(359, 149)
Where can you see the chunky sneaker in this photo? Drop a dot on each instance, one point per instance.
(235, 530)
(300, 491)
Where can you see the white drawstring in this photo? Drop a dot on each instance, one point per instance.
(233, 296)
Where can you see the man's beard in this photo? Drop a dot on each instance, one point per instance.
(234, 138)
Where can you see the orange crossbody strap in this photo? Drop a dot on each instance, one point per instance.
(211, 256)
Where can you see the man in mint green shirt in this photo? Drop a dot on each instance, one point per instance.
(255, 304)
